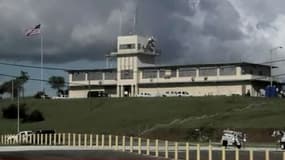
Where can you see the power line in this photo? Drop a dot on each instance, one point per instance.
(274, 61)
(36, 67)
(12, 76)
(35, 79)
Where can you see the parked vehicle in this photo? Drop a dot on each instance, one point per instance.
(183, 94)
(170, 94)
(49, 133)
(45, 131)
(92, 94)
(144, 94)
(233, 138)
(176, 94)
(59, 97)
(21, 137)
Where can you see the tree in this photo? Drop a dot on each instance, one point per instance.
(11, 112)
(15, 84)
(57, 82)
(35, 116)
(21, 80)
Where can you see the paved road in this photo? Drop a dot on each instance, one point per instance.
(62, 152)
(65, 153)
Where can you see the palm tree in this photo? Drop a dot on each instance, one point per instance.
(57, 82)
(12, 86)
(21, 80)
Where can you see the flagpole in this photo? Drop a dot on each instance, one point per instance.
(42, 62)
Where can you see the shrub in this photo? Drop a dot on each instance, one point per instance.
(35, 116)
(39, 95)
(11, 112)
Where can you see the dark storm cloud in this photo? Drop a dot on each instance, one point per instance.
(188, 31)
(62, 24)
(222, 20)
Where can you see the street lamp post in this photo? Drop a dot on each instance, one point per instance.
(271, 63)
(18, 110)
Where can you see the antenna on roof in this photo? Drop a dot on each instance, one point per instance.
(120, 22)
(135, 18)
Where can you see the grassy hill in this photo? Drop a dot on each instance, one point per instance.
(160, 117)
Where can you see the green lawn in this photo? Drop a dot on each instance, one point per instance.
(143, 116)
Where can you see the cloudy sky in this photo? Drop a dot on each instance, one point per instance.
(77, 34)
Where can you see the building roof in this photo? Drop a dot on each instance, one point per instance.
(208, 65)
(91, 70)
(176, 66)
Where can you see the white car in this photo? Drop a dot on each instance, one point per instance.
(183, 94)
(176, 94)
(24, 136)
(233, 138)
(281, 135)
(59, 97)
(143, 94)
(170, 94)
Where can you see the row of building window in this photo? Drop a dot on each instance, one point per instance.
(127, 74)
(168, 73)
(80, 76)
(261, 71)
(130, 46)
(188, 72)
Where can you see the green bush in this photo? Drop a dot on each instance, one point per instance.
(11, 112)
(35, 116)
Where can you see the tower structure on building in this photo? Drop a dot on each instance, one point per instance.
(133, 52)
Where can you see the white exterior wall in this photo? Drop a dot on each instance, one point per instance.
(227, 90)
(127, 59)
(78, 93)
(196, 79)
(127, 40)
(197, 90)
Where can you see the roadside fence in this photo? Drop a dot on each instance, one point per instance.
(149, 147)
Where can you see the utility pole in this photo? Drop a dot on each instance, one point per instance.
(12, 91)
(18, 110)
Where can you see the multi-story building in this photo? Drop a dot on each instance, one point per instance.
(137, 72)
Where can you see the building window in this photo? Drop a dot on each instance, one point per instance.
(128, 46)
(127, 74)
(208, 71)
(247, 70)
(139, 46)
(110, 75)
(227, 70)
(78, 76)
(167, 73)
(149, 73)
(95, 76)
(187, 72)
(256, 70)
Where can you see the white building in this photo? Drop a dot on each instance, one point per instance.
(137, 72)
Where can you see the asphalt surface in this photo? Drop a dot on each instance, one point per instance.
(71, 155)
(64, 153)
(93, 153)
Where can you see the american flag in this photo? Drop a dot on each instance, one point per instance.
(33, 31)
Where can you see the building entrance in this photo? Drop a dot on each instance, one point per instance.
(127, 91)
